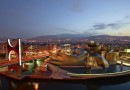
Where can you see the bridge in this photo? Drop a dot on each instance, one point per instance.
(15, 61)
(16, 64)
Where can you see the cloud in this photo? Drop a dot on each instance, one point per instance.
(99, 26)
(127, 17)
(114, 25)
(103, 26)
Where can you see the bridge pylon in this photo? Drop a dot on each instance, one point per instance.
(15, 45)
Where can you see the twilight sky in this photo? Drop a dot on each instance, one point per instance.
(30, 18)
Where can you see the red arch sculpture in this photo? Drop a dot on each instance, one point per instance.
(16, 48)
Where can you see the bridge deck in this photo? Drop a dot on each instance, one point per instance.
(12, 62)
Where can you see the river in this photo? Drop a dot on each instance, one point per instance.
(118, 83)
(122, 83)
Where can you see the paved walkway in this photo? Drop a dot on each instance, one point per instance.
(11, 62)
(57, 73)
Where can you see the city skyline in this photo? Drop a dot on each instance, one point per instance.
(26, 19)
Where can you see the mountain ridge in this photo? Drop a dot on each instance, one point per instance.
(75, 37)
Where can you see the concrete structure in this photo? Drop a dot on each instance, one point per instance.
(127, 50)
(16, 48)
(15, 65)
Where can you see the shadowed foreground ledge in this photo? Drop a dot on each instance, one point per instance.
(59, 74)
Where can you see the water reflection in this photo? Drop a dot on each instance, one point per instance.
(118, 83)
(111, 69)
(36, 85)
(93, 84)
(93, 87)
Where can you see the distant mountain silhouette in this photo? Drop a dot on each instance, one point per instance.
(99, 37)
(77, 37)
(60, 37)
